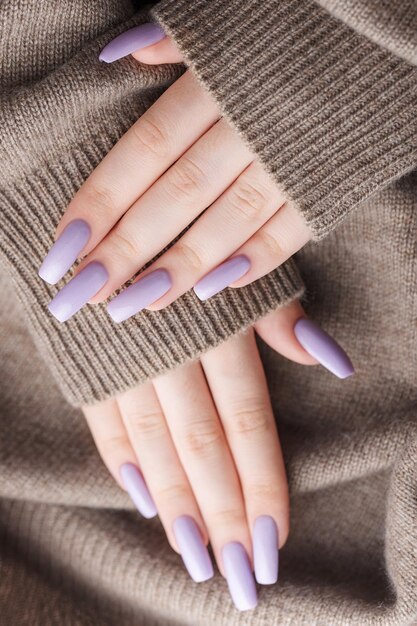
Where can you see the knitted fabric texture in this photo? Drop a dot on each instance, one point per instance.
(72, 550)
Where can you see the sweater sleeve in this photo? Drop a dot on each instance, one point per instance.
(61, 111)
(329, 112)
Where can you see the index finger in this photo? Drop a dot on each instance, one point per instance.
(178, 118)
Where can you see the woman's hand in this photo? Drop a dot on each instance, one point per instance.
(179, 159)
(205, 440)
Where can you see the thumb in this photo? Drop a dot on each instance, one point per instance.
(288, 331)
(147, 43)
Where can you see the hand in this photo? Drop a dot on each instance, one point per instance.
(205, 440)
(179, 159)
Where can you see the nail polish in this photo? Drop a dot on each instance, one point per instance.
(239, 576)
(65, 251)
(139, 295)
(132, 40)
(78, 291)
(221, 277)
(194, 553)
(137, 489)
(323, 348)
(265, 550)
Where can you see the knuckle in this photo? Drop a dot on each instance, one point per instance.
(189, 257)
(123, 245)
(145, 423)
(203, 437)
(185, 179)
(112, 445)
(150, 137)
(231, 518)
(248, 199)
(264, 491)
(250, 419)
(271, 246)
(99, 200)
(173, 493)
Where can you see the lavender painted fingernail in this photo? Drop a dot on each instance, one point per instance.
(221, 277)
(137, 489)
(139, 295)
(65, 251)
(78, 291)
(239, 576)
(265, 550)
(193, 551)
(132, 40)
(323, 348)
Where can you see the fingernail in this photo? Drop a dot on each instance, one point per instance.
(192, 549)
(132, 40)
(65, 251)
(239, 576)
(323, 348)
(139, 295)
(78, 291)
(137, 489)
(221, 277)
(265, 550)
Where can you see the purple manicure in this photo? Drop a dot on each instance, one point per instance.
(239, 576)
(132, 40)
(323, 348)
(78, 291)
(137, 489)
(139, 295)
(221, 277)
(65, 251)
(193, 551)
(265, 550)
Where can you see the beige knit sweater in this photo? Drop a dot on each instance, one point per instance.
(326, 94)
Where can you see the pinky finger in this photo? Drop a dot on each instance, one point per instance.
(110, 436)
(280, 237)
(165, 51)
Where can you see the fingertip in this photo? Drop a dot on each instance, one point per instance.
(277, 330)
(164, 51)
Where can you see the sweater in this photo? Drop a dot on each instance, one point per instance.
(326, 96)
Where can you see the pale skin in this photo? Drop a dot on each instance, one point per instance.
(204, 435)
(179, 159)
(205, 439)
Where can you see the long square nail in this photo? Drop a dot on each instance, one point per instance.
(239, 576)
(194, 553)
(265, 550)
(137, 489)
(65, 251)
(78, 291)
(138, 296)
(133, 39)
(221, 277)
(323, 348)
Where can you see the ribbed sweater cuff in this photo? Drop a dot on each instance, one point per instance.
(330, 114)
(92, 358)
(55, 131)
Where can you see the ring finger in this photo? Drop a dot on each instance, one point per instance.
(202, 447)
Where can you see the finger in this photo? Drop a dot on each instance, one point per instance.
(150, 438)
(181, 115)
(114, 447)
(292, 334)
(277, 330)
(237, 381)
(165, 51)
(281, 237)
(238, 213)
(205, 456)
(179, 196)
